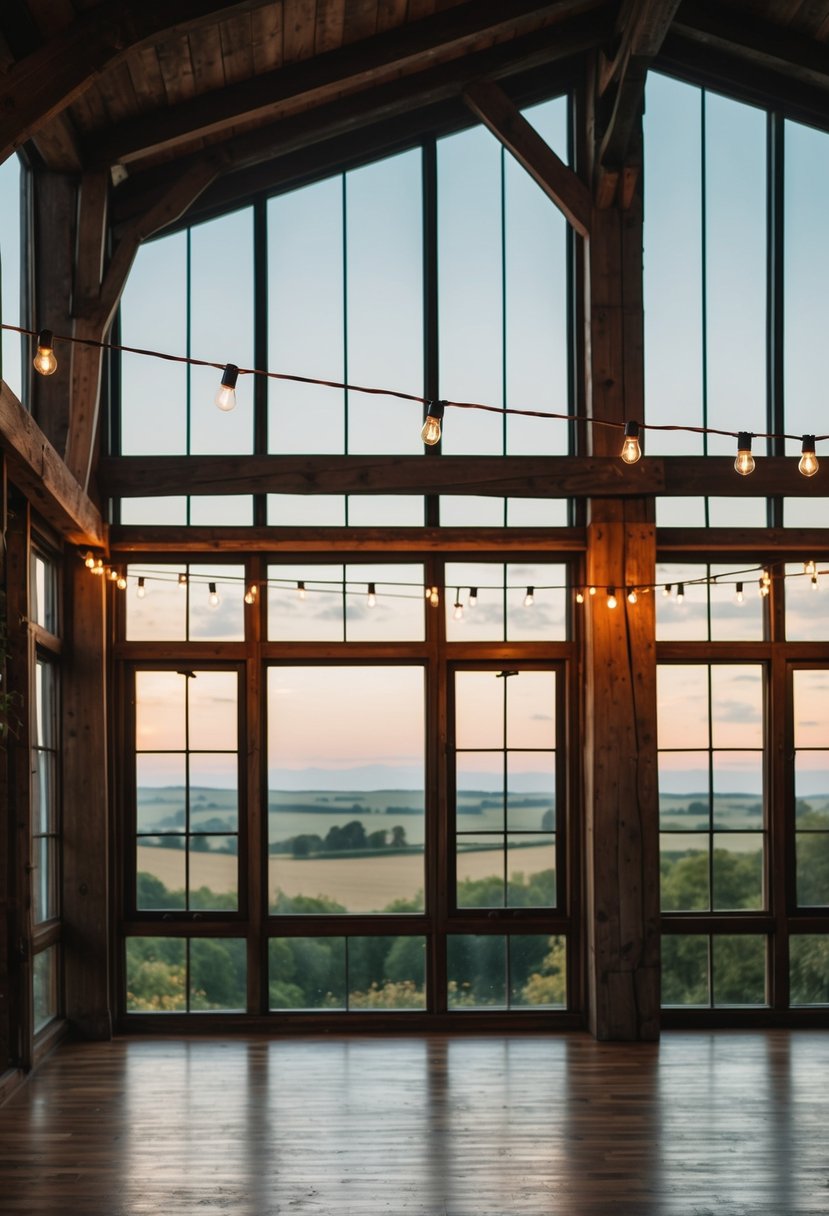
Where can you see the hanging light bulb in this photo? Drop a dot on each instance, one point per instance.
(591, 591)
(213, 595)
(666, 591)
(225, 397)
(809, 567)
(372, 595)
(766, 579)
(121, 582)
(457, 611)
(473, 596)
(739, 594)
(112, 575)
(814, 582)
(98, 568)
(764, 587)
(631, 450)
(434, 597)
(579, 597)
(141, 590)
(529, 598)
(680, 592)
(808, 464)
(744, 464)
(430, 433)
(251, 593)
(611, 597)
(633, 596)
(89, 560)
(45, 361)
(300, 590)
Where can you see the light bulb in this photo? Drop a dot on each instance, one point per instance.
(579, 597)
(430, 432)
(744, 464)
(631, 451)
(680, 592)
(141, 590)
(808, 461)
(611, 597)
(457, 613)
(814, 582)
(739, 595)
(121, 582)
(592, 591)
(98, 568)
(225, 397)
(434, 597)
(633, 596)
(473, 596)
(250, 594)
(182, 581)
(766, 579)
(809, 567)
(529, 597)
(372, 595)
(112, 575)
(213, 596)
(666, 590)
(300, 588)
(89, 560)
(45, 361)
(764, 587)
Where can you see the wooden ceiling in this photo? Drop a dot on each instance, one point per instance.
(130, 86)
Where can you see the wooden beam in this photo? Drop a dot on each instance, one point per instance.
(556, 179)
(38, 471)
(46, 81)
(161, 539)
(600, 476)
(799, 542)
(429, 42)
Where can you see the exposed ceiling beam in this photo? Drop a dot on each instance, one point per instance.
(558, 181)
(206, 539)
(427, 43)
(36, 468)
(513, 476)
(45, 82)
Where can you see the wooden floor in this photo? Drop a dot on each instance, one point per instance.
(726, 1123)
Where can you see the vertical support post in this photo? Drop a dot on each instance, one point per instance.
(85, 808)
(620, 757)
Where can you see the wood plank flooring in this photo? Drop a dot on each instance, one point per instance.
(726, 1123)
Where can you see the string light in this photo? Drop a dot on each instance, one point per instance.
(744, 464)
(809, 567)
(371, 595)
(680, 592)
(814, 582)
(631, 449)
(633, 596)
(739, 593)
(430, 432)
(592, 591)
(251, 594)
(529, 598)
(182, 580)
(808, 464)
(45, 361)
(666, 590)
(213, 596)
(89, 560)
(300, 589)
(457, 613)
(766, 578)
(764, 587)
(225, 398)
(473, 596)
(434, 597)
(579, 597)
(141, 590)
(611, 597)
(121, 582)
(98, 568)
(112, 575)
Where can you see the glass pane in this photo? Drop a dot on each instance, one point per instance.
(479, 709)
(811, 783)
(536, 603)
(809, 969)
(683, 791)
(221, 510)
(43, 593)
(214, 870)
(306, 510)
(811, 708)
(465, 511)
(306, 973)
(682, 699)
(479, 792)
(483, 619)
(346, 793)
(10, 263)
(384, 227)
(214, 796)
(46, 708)
(537, 972)
(737, 871)
(738, 790)
(395, 510)
(737, 706)
(733, 620)
(44, 879)
(161, 792)
(685, 970)
(167, 510)
(398, 608)
(44, 792)
(156, 974)
(681, 603)
(212, 710)
(531, 710)
(812, 849)
(738, 963)
(480, 872)
(305, 603)
(386, 973)
(531, 791)
(684, 872)
(161, 875)
(476, 971)
(217, 615)
(45, 987)
(159, 710)
(807, 604)
(218, 975)
(531, 866)
(156, 605)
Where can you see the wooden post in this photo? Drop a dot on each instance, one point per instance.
(85, 821)
(620, 759)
